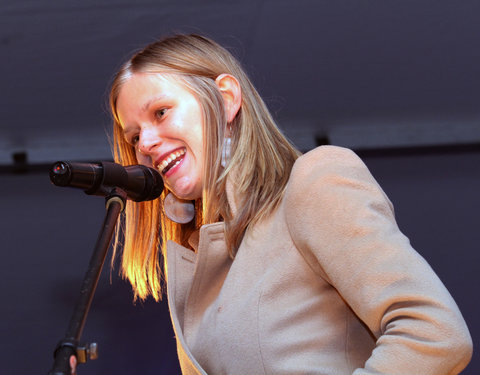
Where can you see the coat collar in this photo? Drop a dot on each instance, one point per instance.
(232, 199)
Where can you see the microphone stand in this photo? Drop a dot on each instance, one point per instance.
(69, 345)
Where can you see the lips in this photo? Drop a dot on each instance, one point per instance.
(171, 160)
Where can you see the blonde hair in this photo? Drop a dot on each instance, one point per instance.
(261, 157)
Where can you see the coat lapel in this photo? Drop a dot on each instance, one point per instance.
(194, 280)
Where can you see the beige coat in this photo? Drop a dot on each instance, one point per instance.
(327, 285)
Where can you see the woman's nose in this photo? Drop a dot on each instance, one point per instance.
(148, 140)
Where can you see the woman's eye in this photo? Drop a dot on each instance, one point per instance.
(160, 113)
(134, 140)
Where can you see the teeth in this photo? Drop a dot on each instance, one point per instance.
(166, 162)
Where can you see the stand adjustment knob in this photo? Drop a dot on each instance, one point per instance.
(89, 351)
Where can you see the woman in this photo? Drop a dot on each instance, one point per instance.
(291, 265)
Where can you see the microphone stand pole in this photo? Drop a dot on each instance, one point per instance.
(69, 345)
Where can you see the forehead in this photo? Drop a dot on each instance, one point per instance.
(139, 85)
(140, 90)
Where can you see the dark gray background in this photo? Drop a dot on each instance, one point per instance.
(397, 81)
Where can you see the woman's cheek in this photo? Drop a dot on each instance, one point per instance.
(142, 159)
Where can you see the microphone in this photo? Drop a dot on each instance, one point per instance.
(141, 183)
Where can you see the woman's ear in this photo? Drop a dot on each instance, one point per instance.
(232, 94)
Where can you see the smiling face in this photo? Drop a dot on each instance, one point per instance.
(162, 120)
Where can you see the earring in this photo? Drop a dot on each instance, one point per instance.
(226, 151)
(178, 210)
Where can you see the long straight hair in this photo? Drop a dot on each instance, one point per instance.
(261, 157)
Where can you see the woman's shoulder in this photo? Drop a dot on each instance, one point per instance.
(325, 162)
(325, 157)
(331, 173)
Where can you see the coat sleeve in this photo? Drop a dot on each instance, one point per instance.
(343, 224)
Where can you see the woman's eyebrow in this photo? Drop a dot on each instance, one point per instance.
(153, 100)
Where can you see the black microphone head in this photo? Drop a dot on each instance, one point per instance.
(144, 183)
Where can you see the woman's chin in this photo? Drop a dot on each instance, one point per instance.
(182, 195)
(183, 189)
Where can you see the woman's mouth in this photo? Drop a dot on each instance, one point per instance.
(171, 161)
